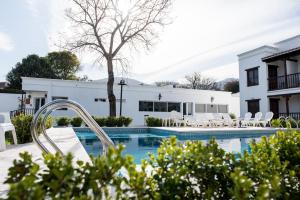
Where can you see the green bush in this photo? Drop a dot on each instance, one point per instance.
(232, 115)
(154, 122)
(276, 123)
(113, 121)
(22, 125)
(179, 171)
(76, 121)
(63, 121)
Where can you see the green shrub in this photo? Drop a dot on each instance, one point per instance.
(22, 125)
(154, 122)
(179, 171)
(113, 121)
(63, 121)
(232, 115)
(276, 123)
(76, 121)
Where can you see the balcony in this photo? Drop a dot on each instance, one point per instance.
(284, 82)
(294, 115)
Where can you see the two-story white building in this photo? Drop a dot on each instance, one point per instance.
(270, 79)
(139, 100)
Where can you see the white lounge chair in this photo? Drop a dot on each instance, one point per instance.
(267, 120)
(246, 120)
(255, 121)
(227, 121)
(176, 118)
(6, 125)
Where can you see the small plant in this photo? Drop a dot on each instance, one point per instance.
(232, 115)
(276, 123)
(76, 121)
(63, 121)
(101, 121)
(126, 121)
(153, 122)
(113, 121)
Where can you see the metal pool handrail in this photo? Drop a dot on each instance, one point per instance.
(42, 114)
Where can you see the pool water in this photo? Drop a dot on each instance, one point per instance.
(142, 141)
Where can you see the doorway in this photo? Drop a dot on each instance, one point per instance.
(272, 75)
(187, 108)
(274, 107)
(38, 103)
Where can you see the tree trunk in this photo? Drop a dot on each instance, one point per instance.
(110, 88)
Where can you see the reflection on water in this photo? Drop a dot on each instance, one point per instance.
(140, 144)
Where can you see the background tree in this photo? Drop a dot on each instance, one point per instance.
(165, 83)
(56, 65)
(232, 86)
(64, 64)
(106, 27)
(31, 66)
(197, 81)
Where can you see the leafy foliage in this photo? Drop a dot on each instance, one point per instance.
(63, 121)
(76, 121)
(56, 65)
(113, 121)
(179, 171)
(22, 125)
(154, 122)
(232, 86)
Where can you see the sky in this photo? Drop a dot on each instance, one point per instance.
(206, 36)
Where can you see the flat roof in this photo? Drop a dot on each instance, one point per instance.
(282, 55)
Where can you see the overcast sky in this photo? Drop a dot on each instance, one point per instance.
(206, 36)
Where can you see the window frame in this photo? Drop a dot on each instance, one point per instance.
(255, 78)
(160, 102)
(253, 101)
(146, 110)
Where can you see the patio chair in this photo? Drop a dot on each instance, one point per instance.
(176, 118)
(6, 125)
(227, 121)
(256, 120)
(246, 120)
(267, 120)
(204, 120)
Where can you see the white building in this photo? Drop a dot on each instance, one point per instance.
(270, 79)
(139, 100)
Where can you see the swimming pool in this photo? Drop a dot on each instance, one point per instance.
(140, 141)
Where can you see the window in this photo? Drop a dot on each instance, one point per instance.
(252, 76)
(57, 97)
(160, 106)
(173, 106)
(212, 108)
(100, 99)
(253, 106)
(200, 108)
(146, 106)
(222, 109)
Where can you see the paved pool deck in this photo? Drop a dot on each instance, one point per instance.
(66, 140)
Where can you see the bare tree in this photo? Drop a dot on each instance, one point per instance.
(197, 81)
(107, 26)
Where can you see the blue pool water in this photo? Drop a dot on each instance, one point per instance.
(140, 141)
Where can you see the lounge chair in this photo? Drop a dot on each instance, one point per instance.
(267, 120)
(176, 118)
(6, 125)
(246, 120)
(227, 121)
(256, 120)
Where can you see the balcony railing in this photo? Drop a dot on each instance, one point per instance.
(284, 82)
(294, 115)
(26, 111)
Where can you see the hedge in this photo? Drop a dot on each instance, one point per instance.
(179, 171)
(22, 125)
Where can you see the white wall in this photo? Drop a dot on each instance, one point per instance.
(9, 102)
(85, 93)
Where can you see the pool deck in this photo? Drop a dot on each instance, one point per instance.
(66, 140)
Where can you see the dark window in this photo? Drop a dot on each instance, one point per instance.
(253, 106)
(55, 98)
(252, 76)
(100, 99)
(160, 106)
(222, 109)
(173, 106)
(200, 108)
(146, 106)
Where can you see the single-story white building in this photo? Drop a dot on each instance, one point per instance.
(139, 99)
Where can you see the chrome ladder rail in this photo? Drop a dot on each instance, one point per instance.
(38, 124)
